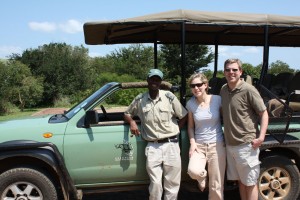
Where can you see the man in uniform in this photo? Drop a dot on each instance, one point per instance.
(159, 112)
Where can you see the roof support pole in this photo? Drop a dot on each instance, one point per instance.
(155, 55)
(183, 70)
(216, 60)
(265, 64)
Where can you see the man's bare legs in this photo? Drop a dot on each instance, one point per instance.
(248, 192)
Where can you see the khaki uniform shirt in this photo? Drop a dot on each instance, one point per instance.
(241, 108)
(158, 117)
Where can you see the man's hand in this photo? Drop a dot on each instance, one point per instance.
(256, 143)
(134, 128)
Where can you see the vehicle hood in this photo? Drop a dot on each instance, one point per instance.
(31, 128)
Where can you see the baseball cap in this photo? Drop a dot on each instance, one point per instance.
(155, 72)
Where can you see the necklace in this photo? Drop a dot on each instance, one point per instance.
(204, 102)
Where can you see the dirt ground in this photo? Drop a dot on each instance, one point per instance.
(143, 195)
(48, 111)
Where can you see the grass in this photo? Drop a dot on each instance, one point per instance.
(25, 113)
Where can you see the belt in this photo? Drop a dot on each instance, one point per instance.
(169, 139)
(205, 143)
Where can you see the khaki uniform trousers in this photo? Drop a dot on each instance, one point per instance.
(214, 154)
(163, 161)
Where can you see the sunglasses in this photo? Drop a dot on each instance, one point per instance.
(229, 69)
(196, 84)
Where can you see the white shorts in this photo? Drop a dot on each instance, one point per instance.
(243, 164)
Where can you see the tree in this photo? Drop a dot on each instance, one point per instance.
(18, 86)
(279, 67)
(135, 60)
(197, 56)
(102, 64)
(65, 69)
(249, 69)
(4, 88)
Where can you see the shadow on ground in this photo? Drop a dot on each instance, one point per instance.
(143, 195)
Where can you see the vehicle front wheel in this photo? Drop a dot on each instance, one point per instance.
(25, 184)
(279, 179)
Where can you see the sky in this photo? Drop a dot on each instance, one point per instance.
(32, 23)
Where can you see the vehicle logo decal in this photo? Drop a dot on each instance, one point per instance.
(127, 151)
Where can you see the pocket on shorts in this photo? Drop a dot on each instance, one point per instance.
(249, 156)
(252, 162)
(252, 159)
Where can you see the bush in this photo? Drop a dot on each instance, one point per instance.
(8, 108)
(62, 102)
(124, 97)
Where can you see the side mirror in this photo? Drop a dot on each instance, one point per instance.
(91, 117)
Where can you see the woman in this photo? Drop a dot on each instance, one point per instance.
(206, 138)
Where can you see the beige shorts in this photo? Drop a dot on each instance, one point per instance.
(243, 164)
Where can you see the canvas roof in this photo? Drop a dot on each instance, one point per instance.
(208, 28)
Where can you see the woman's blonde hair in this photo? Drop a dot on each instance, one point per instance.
(202, 78)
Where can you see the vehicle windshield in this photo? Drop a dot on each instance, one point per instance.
(90, 100)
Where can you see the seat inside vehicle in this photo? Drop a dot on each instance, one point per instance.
(280, 84)
(284, 86)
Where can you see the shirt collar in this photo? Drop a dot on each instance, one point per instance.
(158, 99)
(238, 87)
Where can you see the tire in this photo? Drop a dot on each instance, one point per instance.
(279, 179)
(26, 183)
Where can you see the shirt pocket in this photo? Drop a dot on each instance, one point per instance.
(164, 114)
(148, 115)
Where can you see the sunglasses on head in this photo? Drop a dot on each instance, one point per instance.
(196, 84)
(229, 69)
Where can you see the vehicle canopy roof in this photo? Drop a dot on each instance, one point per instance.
(207, 28)
(199, 27)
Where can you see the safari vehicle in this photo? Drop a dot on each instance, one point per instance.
(88, 149)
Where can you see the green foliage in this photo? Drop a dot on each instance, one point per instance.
(249, 69)
(197, 57)
(17, 114)
(65, 69)
(5, 81)
(113, 77)
(279, 67)
(101, 65)
(7, 107)
(124, 97)
(18, 86)
(208, 73)
(79, 95)
(62, 102)
(61, 75)
(136, 60)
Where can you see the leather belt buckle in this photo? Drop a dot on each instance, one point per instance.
(172, 139)
(169, 139)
